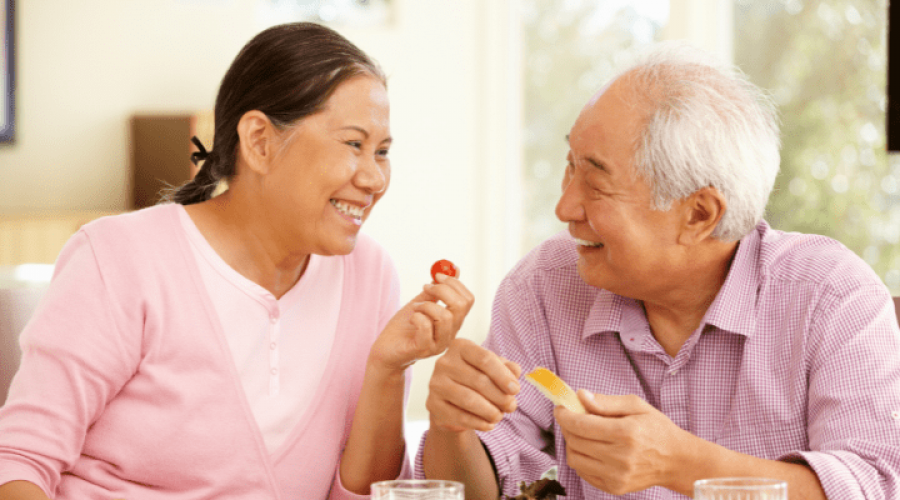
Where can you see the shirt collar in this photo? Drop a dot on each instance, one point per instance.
(733, 310)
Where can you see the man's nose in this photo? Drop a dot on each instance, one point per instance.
(570, 207)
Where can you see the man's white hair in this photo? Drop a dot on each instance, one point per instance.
(707, 126)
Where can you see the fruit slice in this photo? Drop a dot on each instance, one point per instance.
(555, 389)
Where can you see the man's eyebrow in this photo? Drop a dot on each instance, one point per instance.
(595, 163)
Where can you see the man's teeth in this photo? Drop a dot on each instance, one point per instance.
(347, 209)
(588, 243)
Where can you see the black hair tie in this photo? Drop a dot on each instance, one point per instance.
(201, 155)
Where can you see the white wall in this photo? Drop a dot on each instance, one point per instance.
(84, 67)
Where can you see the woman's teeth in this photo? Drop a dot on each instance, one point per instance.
(587, 243)
(347, 209)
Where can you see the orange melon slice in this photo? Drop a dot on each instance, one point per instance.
(555, 389)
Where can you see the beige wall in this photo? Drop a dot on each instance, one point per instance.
(84, 67)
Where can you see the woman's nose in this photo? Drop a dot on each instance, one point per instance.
(372, 176)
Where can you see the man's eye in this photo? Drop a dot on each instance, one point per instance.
(382, 152)
(355, 144)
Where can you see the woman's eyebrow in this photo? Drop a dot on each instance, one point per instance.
(365, 133)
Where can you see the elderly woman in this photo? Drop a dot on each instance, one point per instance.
(248, 345)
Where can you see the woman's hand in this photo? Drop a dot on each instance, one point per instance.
(424, 327)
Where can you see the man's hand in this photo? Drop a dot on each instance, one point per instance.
(623, 444)
(471, 388)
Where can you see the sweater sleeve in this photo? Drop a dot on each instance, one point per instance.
(386, 287)
(75, 358)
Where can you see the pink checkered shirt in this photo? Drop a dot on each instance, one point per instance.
(798, 358)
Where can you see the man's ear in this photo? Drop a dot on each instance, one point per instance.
(256, 145)
(702, 212)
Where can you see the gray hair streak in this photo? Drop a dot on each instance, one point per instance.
(708, 125)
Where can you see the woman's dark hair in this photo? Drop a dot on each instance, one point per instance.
(286, 72)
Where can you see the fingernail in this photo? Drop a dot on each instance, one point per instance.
(514, 387)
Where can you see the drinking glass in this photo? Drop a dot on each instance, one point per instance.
(740, 488)
(417, 489)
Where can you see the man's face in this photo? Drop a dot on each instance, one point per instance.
(623, 245)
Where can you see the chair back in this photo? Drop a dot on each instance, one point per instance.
(21, 288)
(897, 308)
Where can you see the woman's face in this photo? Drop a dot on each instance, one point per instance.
(332, 169)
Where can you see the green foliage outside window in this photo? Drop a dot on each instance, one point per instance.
(571, 49)
(824, 63)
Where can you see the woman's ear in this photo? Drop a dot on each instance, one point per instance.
(704, 210)
(256, 146)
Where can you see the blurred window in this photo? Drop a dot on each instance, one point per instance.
(824, 63)
(572, 48)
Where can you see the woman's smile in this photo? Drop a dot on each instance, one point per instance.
(350, 212)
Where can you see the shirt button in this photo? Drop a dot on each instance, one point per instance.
(274, 371)
(273, 319)
(896, 415)
(273, 346)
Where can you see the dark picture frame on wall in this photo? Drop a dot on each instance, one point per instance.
(893, 79)
(7, 71)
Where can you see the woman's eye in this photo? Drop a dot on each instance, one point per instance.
(355, 144)
(382, 152)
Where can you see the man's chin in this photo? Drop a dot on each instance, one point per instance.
(588, 274)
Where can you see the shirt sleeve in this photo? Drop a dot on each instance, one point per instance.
(75, 358)
(854, 397)
(521, 445)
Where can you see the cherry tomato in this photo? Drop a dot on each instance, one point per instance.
(443, 266)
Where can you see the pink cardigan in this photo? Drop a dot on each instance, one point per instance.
(127, 388)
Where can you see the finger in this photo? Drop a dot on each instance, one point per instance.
(481, 384)
(513, 367)
(435, 312)
(449, 416)
(424, 336)
(444, 324)
(493, 366)
(455, 284)
(465, 398)
(452, 369)
(589, 427)
(459, 302)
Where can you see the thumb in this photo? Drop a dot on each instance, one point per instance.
(610, 406)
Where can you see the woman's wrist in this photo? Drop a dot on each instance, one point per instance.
(384, 373)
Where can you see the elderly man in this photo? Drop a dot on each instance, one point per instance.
(706, 343)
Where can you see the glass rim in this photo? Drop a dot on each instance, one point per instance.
(754, 483)
(430, 483)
